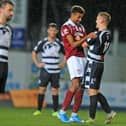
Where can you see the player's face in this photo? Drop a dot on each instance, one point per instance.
(99, 20)
(7, 11)
(77, 17)
(52, 32)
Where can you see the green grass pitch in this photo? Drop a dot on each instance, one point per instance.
(10, 116)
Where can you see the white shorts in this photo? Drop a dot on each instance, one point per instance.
(76, 66)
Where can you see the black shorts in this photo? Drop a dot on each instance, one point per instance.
(93, 74)
(3, 75)
(46, 77)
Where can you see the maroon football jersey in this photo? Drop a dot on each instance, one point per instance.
(70, 28)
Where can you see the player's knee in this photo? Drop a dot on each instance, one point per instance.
(92, 92)
(74, 87)
(42, 90)
(55, 91)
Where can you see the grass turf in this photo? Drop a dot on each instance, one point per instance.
(10, 116)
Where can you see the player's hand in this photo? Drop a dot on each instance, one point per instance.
(40, 65)
(91, 35)
(61, 65)
(77, 38)
(84, 44)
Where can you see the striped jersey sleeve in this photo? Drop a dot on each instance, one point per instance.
(38, 47)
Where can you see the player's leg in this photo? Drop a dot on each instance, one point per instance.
(93, 105)
(55, 99)
(77, 99)
(74, 71)
(103, 101)
(43, 82)
(76, 106)
(79, 92)
(2, 84)
(3, 76)
(68, 99)
(106, 107)
(96, 70)
(80, 66)
(55, 92)
(41, 96)
(70, 93)
(86, 84)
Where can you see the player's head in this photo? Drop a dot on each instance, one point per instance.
(77, 13)
(103, 19)
(52, 30)
(6, 9)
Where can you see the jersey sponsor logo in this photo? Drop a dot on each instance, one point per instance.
(51, 49)
(65, 32)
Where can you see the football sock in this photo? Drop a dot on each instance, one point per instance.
(40, 101)
(93, 106)
(104, 104)
(77, 100)
(62, 111)
(67, 100)
(55, 99)
(73, 114)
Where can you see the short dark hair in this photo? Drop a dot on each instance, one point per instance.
(77, 9)
(4, 2)
(54, 25)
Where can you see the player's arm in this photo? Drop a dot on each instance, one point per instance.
(90, 40)
(36, 61)
(87, 42)
(35, 56)
(62, 63)
(75, 43)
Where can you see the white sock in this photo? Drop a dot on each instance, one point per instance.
(62, 111)
(73, 114)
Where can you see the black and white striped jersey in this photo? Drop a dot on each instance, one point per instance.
(5, 40)
(50, 54)
(98, 46)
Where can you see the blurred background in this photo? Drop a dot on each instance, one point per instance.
(29, 25)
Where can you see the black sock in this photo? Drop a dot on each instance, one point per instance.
(40, 101)
(93, 106)
(55, 99)
(104, 104)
